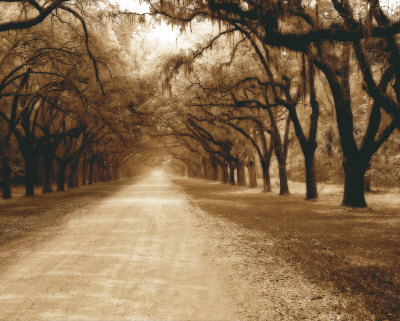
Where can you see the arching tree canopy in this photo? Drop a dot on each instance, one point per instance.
(90, 89)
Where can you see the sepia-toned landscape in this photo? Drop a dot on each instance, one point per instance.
(200, 160)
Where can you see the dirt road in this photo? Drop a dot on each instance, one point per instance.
(145, 253)
(134, 256)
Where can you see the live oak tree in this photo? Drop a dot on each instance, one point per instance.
(59, 99)
(29, 57)
(75, 84)
(333, 35)
(221, 90)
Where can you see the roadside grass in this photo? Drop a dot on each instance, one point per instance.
(355, 251)
(21, 216)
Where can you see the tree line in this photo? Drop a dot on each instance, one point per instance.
(311, 82)
(68, 110)
(288, 64)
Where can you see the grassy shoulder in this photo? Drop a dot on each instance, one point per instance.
(356, 251)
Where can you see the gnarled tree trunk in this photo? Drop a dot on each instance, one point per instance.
(251, 169)
(62, 165)
(266, 176)
(29, 176)
(84, 172)
(354, 184)
(232, 174)
(225, 174)
(214, 169)
(96, 172)
(5, 163)
(241, 174)
(283, 181)
(47, 171)
(71, 175)
(311, 179)
(90, 178)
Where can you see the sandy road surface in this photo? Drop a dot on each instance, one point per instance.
(136, 255)
(148, 252)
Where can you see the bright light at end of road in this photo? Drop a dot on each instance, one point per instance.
(157, 173)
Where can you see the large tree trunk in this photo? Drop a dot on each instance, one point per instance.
(61, 176)
(76, 174)
(5, 163)
(38, 168)
(29, 175)
(106, 173)
(231, 174)
(225, 174)
(241, 174)
(47, 170)
(354, 185)
(367, 182)
(96, 172)
(354, 167)
(84, 172)
(252, 174)
(281, 149)
(71, 175)
(101, 173)
(214, 168)
(283, 181)
(266, 177)
(311, 179)
(90, 173)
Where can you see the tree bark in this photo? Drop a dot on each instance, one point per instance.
(29, 176)
(106, 173)
(71, 175)
(241, 174)
(37, 169)
(281, 149)
(61, 176)
(252, 174)
(90, 178)
(76, 174)
(225, 174)
(214, 168)
(311, 179)
(283, 181)
(47, 170)
(231, 174)
(84, 172)
(266, 177)
(354, 185)
(100, 173)
(96, 172)
(367, 182)
(5, 162)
